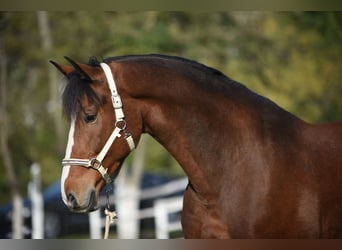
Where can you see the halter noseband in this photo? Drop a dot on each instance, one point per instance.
(120, 125)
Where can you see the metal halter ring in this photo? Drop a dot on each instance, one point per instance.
(121, 124)
(95, 163)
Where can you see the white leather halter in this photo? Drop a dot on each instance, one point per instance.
(120, 126)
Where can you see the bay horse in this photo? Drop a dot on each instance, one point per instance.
(254, 169)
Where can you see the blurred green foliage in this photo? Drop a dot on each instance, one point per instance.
(293, 58)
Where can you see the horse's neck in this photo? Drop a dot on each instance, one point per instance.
(206, 132)
(192, 128)
(202, 126)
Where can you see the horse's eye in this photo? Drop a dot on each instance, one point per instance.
(90, 118)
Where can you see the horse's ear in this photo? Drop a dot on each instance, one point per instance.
(66, 70)
(83, 69)
(88, 72)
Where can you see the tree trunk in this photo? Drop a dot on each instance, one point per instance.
(17, 220)
(54, 102)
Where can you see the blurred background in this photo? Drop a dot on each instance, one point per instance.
(293, 58)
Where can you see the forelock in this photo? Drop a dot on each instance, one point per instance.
(74, 91)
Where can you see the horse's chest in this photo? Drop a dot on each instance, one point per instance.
(201, 221)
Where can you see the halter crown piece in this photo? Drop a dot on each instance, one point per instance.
(120, 126)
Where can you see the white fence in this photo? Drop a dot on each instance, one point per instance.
(159, 211)
(162, 209)
(37, 210)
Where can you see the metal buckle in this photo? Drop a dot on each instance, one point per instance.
(117, 102)
(95, 163)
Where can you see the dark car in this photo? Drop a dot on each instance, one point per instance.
(59, 221)
(6, 220)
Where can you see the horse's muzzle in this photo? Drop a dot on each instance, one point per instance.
(88, 204)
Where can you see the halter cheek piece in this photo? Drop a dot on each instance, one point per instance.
(120, 126)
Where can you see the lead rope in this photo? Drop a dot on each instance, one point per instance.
(110, 216)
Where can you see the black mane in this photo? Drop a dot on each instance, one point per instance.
(93, 62)
(192, 63)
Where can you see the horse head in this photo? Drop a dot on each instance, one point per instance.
(101, 134)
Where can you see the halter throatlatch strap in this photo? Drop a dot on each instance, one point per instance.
(96, 163)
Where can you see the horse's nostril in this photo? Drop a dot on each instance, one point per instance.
(92, 197)
(87, 204)
(72, 200)
(92, 200)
